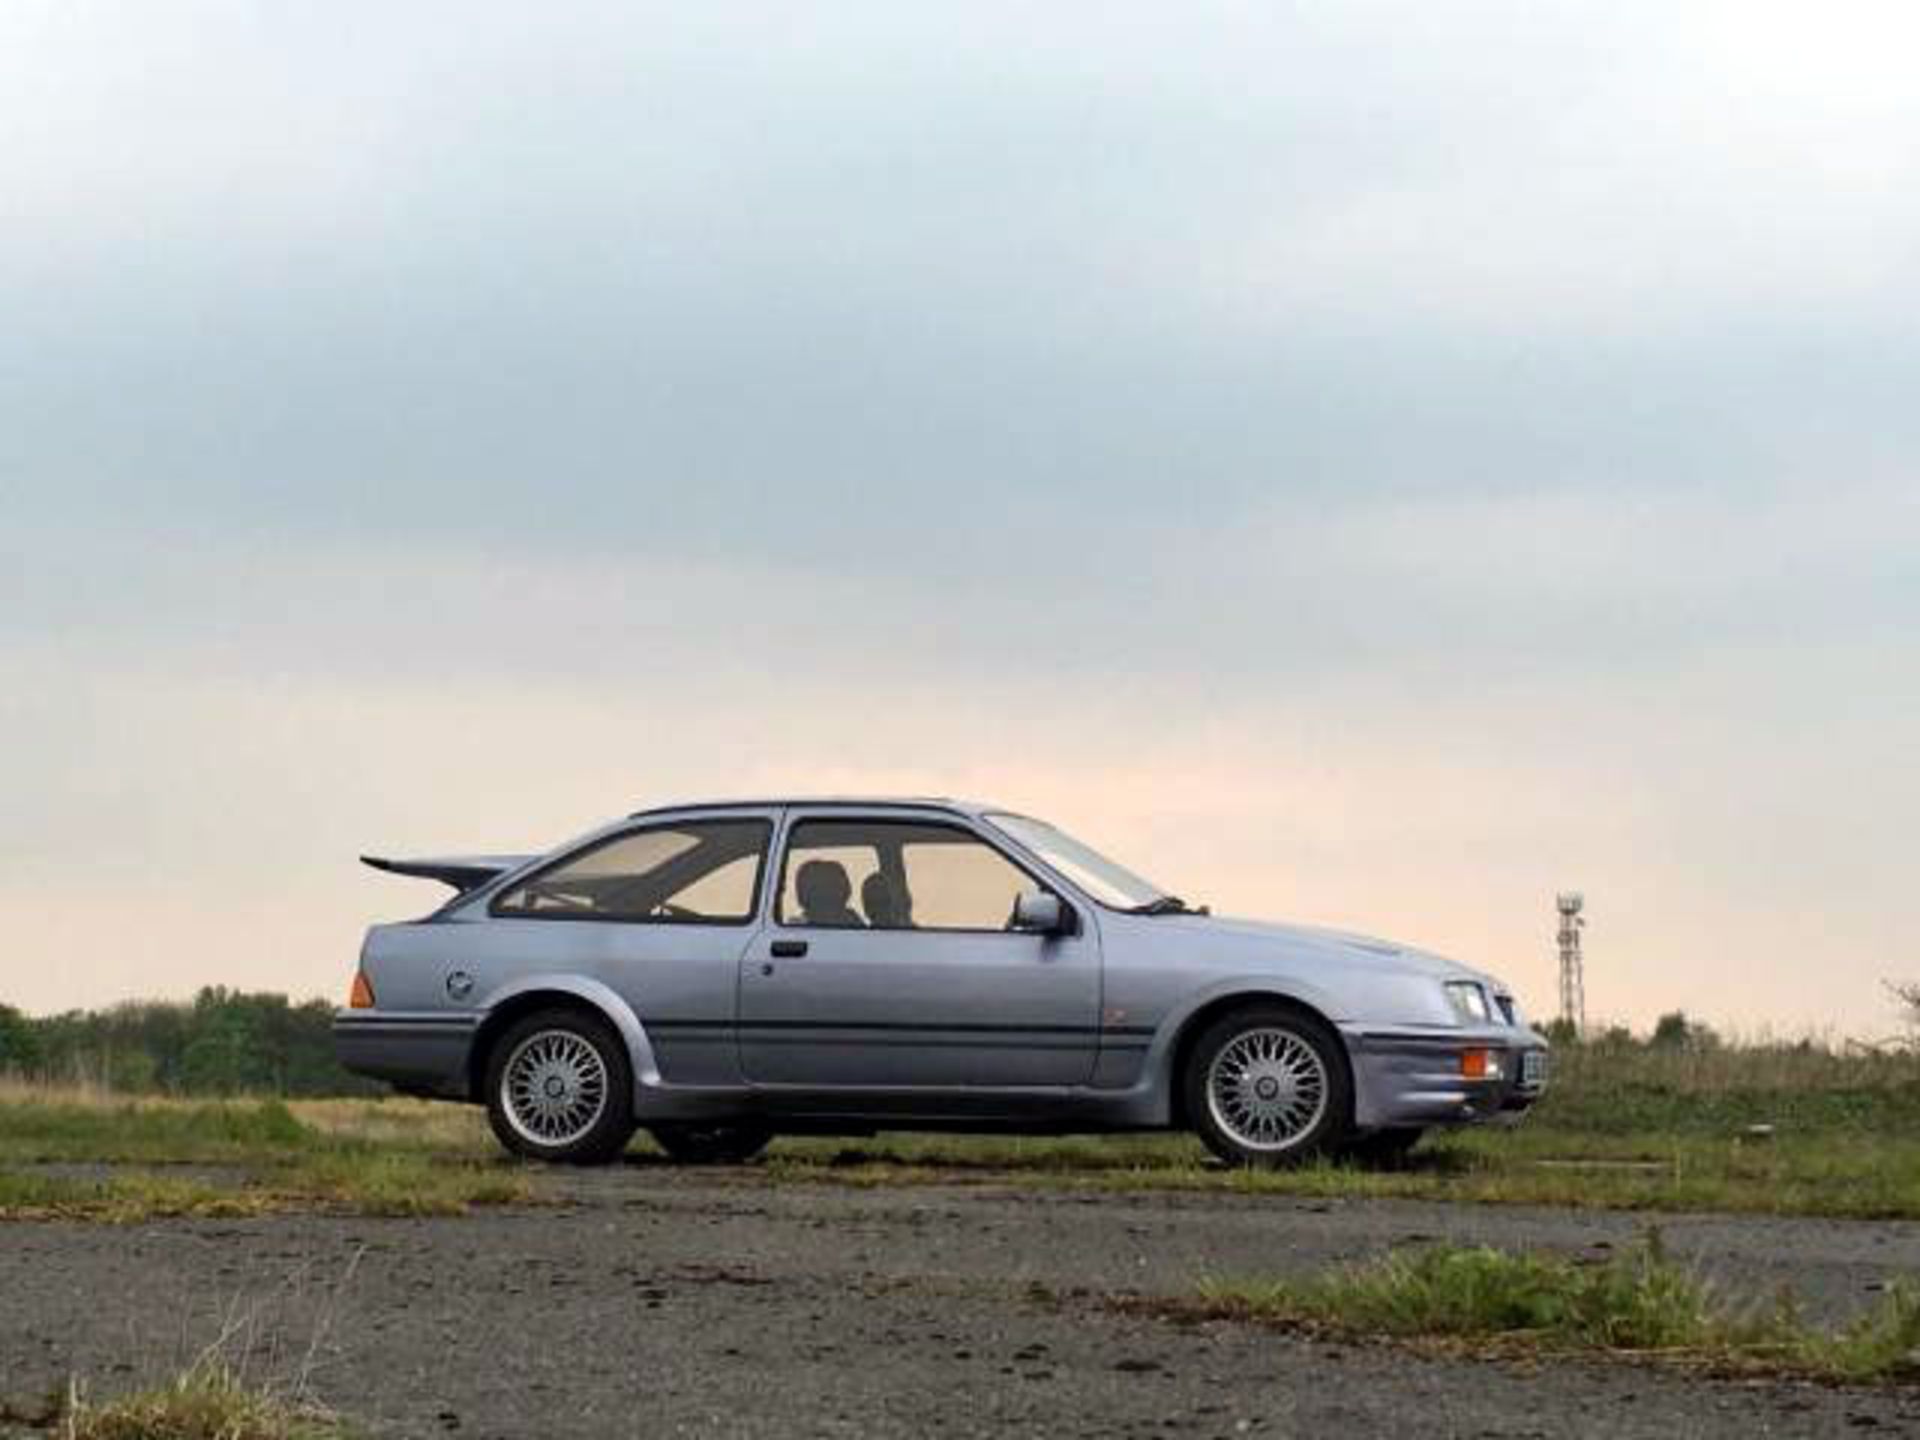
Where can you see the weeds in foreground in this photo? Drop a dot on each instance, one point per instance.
(1639, 1305)
(208, 1401)
(252, 1381)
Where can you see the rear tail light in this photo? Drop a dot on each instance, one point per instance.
(361, 996)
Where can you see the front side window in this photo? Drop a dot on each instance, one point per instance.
(896, 875)
(693, 872)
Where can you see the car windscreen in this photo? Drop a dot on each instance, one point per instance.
(1105, 880)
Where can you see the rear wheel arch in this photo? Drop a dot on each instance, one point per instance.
(559, 1086)
(1197, 1024)
(501, 1018)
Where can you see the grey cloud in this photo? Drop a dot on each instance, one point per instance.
(881, 290)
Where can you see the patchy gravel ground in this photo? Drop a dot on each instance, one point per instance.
(663, 1302)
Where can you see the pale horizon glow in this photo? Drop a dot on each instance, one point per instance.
(1377, 466)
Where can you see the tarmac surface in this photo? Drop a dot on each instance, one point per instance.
(673, 1302)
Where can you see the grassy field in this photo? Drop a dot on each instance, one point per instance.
(88, 1154)
(1628, 1128)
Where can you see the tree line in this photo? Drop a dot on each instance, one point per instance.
(222, 1042)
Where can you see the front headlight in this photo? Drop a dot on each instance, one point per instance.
(1469, 1002)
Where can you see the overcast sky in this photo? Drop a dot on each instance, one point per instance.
(1362, 463)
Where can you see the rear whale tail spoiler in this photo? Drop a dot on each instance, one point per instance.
(462, 872)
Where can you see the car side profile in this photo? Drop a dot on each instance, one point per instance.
(723, 973)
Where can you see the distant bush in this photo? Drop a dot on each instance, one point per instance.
(1674, 1031)
(222, 1042)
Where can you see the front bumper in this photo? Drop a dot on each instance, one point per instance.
(1417, 1078)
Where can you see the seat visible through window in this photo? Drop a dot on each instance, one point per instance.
(886, 907)
(823, 890)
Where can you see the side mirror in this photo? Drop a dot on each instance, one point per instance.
(1039, 913)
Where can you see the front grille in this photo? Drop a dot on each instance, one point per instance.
(1505, 1002)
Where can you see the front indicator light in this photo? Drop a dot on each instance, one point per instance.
(361, 996)
(1479, 1065)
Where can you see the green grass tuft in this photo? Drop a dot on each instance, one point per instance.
(207, 1402)
(1637, 1304)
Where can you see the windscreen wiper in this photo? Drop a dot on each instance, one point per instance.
(1167, 905)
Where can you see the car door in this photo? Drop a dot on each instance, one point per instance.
(889, 962)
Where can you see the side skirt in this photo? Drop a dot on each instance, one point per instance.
(801, 1110)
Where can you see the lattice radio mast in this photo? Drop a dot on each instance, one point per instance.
(1573, 980)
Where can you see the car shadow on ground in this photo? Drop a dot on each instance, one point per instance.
(957, 1162)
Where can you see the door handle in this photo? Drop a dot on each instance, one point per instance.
(789, 949)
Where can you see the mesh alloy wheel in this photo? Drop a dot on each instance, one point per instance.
(554, 1087)
(1267, 1089)
(559, 1087)
(1268, 1085)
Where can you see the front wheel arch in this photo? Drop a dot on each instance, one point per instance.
(1196, 1025)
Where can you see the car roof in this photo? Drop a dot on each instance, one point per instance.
(830, 802)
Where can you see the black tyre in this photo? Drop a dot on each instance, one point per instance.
(560, 1088)
(1383, 1149)
(711, 1144)
(1268, 1085)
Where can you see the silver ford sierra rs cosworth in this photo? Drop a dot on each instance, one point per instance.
(724, 973)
